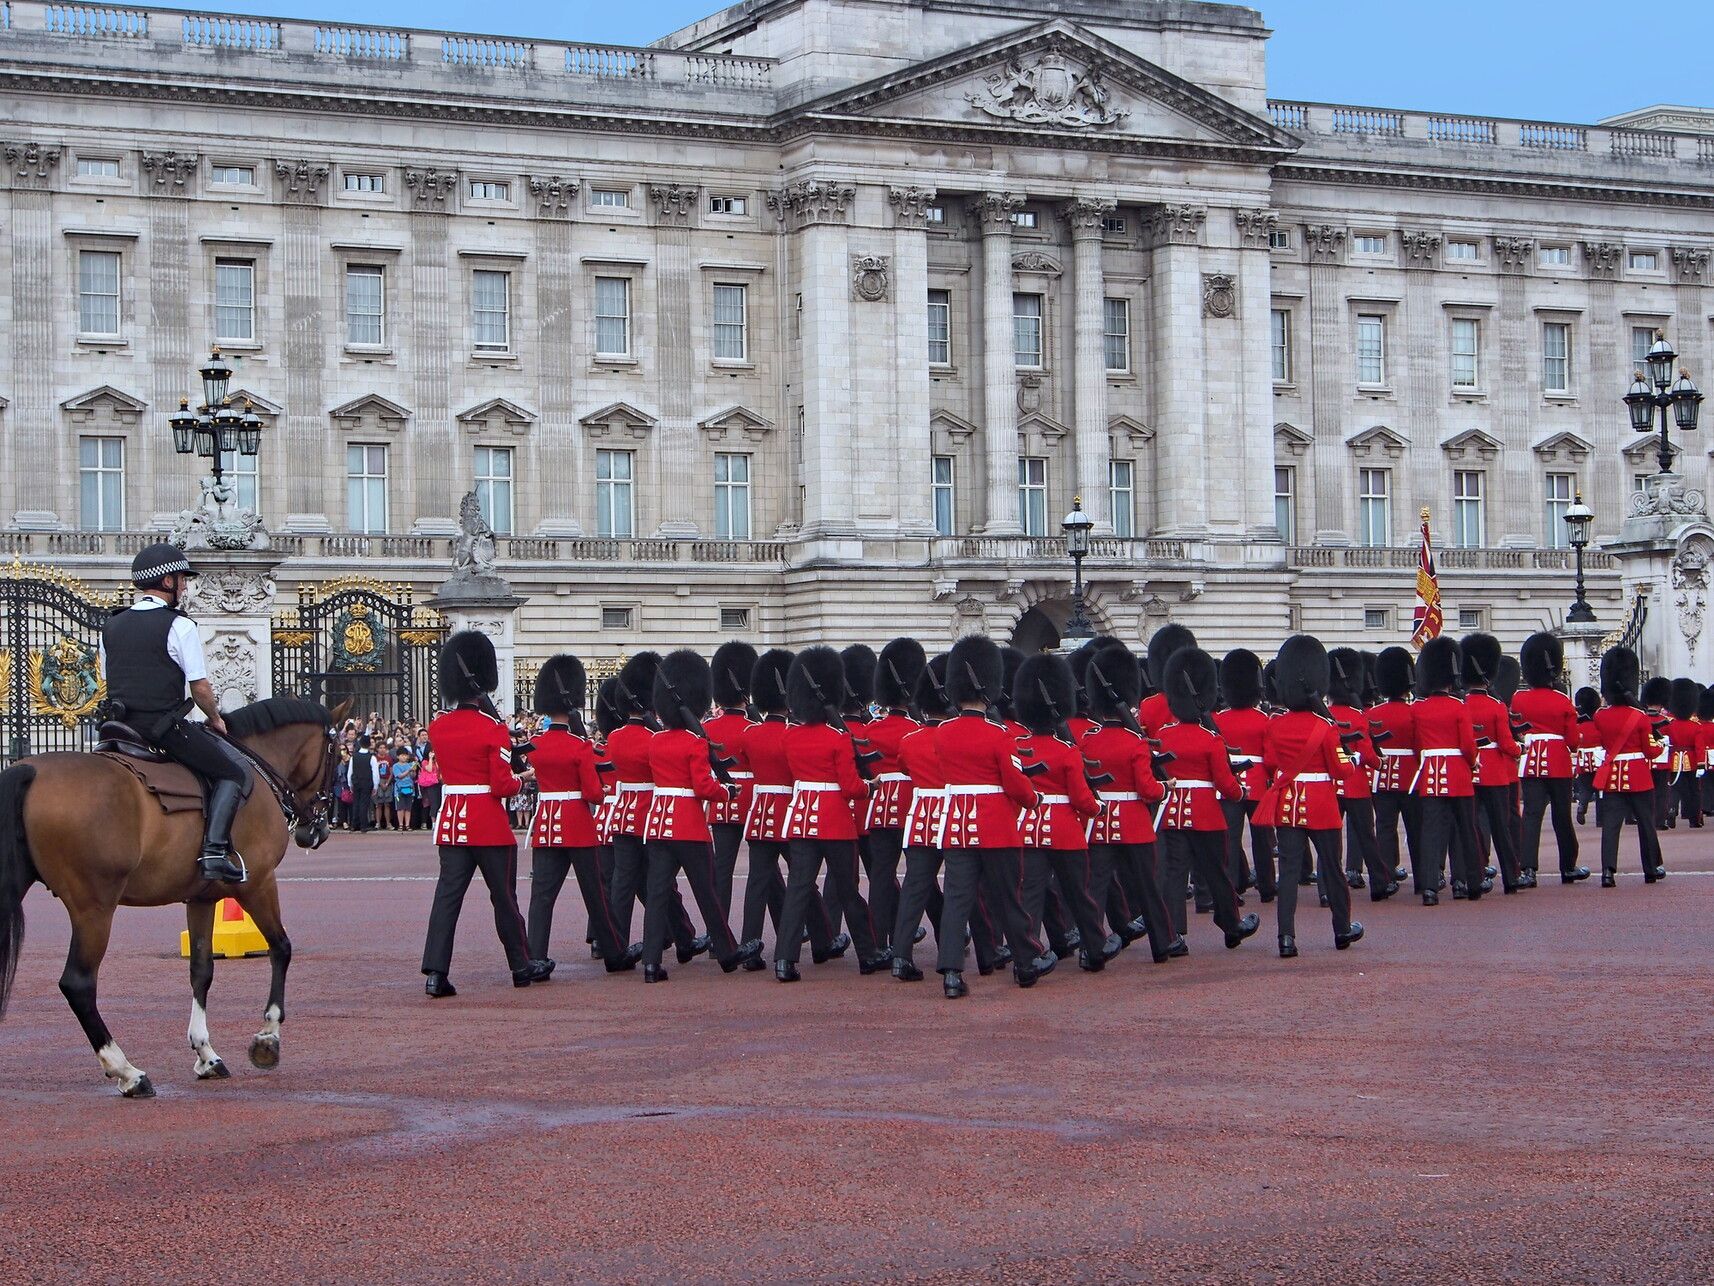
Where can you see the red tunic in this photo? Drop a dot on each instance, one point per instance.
(892, 797)
(604, 814)
(1395, 755)
(1685, 738)
(1357, 755)
(1064, 802)
(1242, 731)
(1590, 752)
(684, 781)
(1446, 745)
(1706, 744)
(825, 783)
(1497, 765)
(1301, 755)
(771, 786)
(628, 748)
(1626, 738)
(570, 789)
(985, 788)
(1201, 776)
(1154, 714)
(1124, 756)
(917, 757)
(474, 753)
(1080, 726)
(1552, 733)
(726, 731)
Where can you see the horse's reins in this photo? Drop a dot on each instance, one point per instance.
(284, 796)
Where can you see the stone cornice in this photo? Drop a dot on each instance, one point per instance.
(31, 164)
(1507, 185)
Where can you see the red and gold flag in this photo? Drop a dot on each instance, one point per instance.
(1427, 619)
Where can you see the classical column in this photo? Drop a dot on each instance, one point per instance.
(993, 211)
(1089, 357)
(433, 462)
(32, 496)
(303, 425)
(554, 475)
(1690, 265)
(908, 281)
(1421, 358)
(1181, 438)
(1513, 499)
(1331, 375)
(1254, 432)
(165, 335)
(676, 472)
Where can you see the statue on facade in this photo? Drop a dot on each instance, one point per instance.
(218, 521)
(474, 548)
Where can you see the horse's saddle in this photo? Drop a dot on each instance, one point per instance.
(176, 788)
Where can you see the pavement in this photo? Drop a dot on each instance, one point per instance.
(1518, 1089)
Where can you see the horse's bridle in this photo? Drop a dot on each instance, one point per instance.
(290, 800)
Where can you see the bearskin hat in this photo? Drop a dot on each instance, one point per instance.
(732, 665)
(1620, 674)
(1587, 701)
(1043, 693)
(684, 689)
(768, 680)
(1511, 678)
(1302, 672)
(608, 714)
(1395, 673)
(637, 683)
(1191, 680)
(897, 672)
(1271, 683)
(560, 686)
(1656, 692)
(1113, 683)
(975, 670)
(1241, 679)
(1370, 692)
(859, 664)
(468, 667)
(1345, 676)
(1705, 705)
(1479, 660)
(1011, 661)
(931, 689)
(814, 684)
(1163, 643)
(1438, 666)
(1686, 696)
(1079, 662)
(1541, 658)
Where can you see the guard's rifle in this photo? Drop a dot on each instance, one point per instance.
(1126, 718)
(718, 760)
(866, 759)
(519, 755)
(573, 709)
(911, 706)
(1062, 730)
(744, 688)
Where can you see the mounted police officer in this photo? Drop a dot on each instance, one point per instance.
(151, 655)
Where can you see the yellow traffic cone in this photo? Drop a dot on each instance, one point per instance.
(235, 934)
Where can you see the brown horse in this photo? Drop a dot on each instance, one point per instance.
(89, 831)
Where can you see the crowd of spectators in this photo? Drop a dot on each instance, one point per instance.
(388, 779)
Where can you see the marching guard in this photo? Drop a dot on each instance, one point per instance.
(897, 674)
(1550, 739)
(1626, 778)
(1241, 725)
(731, 669)
(1392, 732)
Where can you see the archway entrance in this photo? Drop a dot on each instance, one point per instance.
(1036, 631)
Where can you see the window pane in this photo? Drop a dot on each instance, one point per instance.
(1467, 509)
(1281, 323)
(944, 496)
(940, 327)
(1123, 498)
(241, 474)
(1371, 350)
(101, 484)
(1556, 357)
(366, 488)
(489, 304)
(98, 292)
(1558, 491)
(234, 299)
(729, 324)
(1116, 319)
(1032, 495)
(1374, 519)
(363, 305)
(1285, 503)
(1026, 329)
(1465, 341)
(612, 317)
(613, 494)
(731, 496)
(494, 487)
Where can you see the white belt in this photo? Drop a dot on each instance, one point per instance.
(466, 790)
(741, 776)
(815, 787)
(674, 792)
(1442, 753)
(1118, 797)
(893, 776)
(1531, 738)
(1045, 800)
(954, 791)
(1243, 761)
(1396, 754)
(632, 786)
(770, 790)
(558, 796)
(1189, 784)
(1308, 777)
(1631, 755)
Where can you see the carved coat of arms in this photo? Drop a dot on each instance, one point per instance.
(1050, 91)
(65, 682)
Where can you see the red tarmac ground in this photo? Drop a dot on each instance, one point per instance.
(1514, 1090)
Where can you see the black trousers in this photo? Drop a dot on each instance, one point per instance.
(807, 858)
(667, 857)
(363, 809)
(1687, 792)
(1662, 796)
(1261, 875)
(1127, 871)
(920, 895)
(727, 837)
(1449, 836)
(1542, 795)
(1070, 871)
(630, 885)
(765, 899)
(604, 857)
(1363, 844)
(1392, 807)
(548, 869)
(1205, 853)
(1495, 804)
(1052, 916)
(999, 873)
(202, 752)
(1295, 844)
(881, 851)
(1639, 806)
(458, 864)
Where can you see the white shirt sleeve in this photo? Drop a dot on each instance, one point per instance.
(184, 645)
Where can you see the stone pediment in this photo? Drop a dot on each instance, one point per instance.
(956, 427)
(267, 409)
(1645, 449)
(371, 410)
(104, 403)
(618, 418)
(1377, 442)
(1126, 426)
(1472, 444)
(1564, 445)
(740, 420)
(1056, 78)
(497, 413)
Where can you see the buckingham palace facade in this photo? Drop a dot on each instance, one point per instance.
(811, 319)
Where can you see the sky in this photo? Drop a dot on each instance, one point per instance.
(1570, 60)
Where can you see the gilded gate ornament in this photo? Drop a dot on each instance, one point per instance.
(358, 642)
(65, 681)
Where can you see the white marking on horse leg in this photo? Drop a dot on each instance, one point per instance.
(115, 1066)
(206, 1059)
(271, 1019)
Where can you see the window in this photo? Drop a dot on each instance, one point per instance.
(731, 325)
(1644, 261)
(366, 488)
(243, 476)
(1280, 320)
(1639, 482)
(1374, 507)
(612, 317)
(1558, 491)
(365, 305)
(940, 328)
(1370, 244)
(1466, 352)
(490, 310)
(240, 176)
(1642, 339)
(1472, 618)
(1026, 329)
(1371, 350)
(490, 190)
(731, 496)
(1467, 251)
(1279, 239)
(1115, 224)
(613, 474)
(235, 299)
(1377, 618)
(101, 483)
(734, 618)
(610, 198)
(494, 487)
(98, 292)
(615, 618)
(1285, 502)
(1556, 357)
(1025, 219)
(365, 183)
(936, 214)
(728, 205)
(97, 167)
(1116, 333)
(1032, 494)
(1467, 509)
(1122, 492)
(944, 495)
(1555, 257)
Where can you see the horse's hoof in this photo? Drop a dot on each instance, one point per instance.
(265, 1052)
(142, 1089)
(215, 1071)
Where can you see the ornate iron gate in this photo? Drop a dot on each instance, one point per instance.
(50, 676)
(359, 638)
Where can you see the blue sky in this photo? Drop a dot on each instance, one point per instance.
(1565, 60)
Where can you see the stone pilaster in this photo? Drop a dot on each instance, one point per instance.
(1512, 497)
(675, 444)
(1089, 357)
(1179, 409)
(232, 603)
(1331, 376)
(429, 463)
(1423, 362)
(561, 479)
(1253, 363)
(993, 212)
(304, 432)
(166, 481)
(912, 447)
(30, 168)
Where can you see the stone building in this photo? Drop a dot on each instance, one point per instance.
(811, 319)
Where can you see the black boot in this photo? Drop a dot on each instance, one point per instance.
(906, 970)
(786, 971)
(1288, 947)
(952, 981)
(744, 955)
(654, 973)
(437, 985)
(1574, 875)
(216, 862)
(698, 945)
(1353, 934)
(1609, 879)
(1248, 925)
(626, 960)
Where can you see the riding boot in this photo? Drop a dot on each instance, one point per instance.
(216, 863)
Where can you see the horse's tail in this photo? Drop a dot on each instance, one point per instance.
(17, 872)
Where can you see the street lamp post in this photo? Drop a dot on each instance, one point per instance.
(1657, 389)
(1077, 526)
(1577, 521)
(216, 429)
